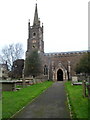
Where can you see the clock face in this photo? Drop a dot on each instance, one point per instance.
(33, 41)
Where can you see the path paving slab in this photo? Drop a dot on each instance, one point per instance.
(52, 103)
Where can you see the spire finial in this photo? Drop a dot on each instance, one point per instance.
(36, 2)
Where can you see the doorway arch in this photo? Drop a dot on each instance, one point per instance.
(59, 75)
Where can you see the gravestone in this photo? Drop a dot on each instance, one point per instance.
(74, 79)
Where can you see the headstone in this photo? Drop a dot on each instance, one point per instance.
(34, 81)
(74, 79)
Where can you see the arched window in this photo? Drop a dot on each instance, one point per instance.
(45, 70)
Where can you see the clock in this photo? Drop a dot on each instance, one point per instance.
(33, 41)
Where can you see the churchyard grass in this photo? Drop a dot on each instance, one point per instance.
(79, 104)
(15, 100)
(0, 109)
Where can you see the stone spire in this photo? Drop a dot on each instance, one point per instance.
(36, 19)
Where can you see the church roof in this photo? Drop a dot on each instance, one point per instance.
(70, 52)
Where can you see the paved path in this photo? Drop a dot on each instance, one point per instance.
(50, 104)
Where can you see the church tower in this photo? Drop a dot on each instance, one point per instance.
(35, 35)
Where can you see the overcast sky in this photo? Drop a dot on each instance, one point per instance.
(65, 23)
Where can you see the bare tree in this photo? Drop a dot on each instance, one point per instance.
(11, 53)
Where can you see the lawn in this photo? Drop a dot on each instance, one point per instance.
(15, 100)
(79, 104)
(0, 109)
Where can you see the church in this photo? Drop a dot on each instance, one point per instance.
(58, 66)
